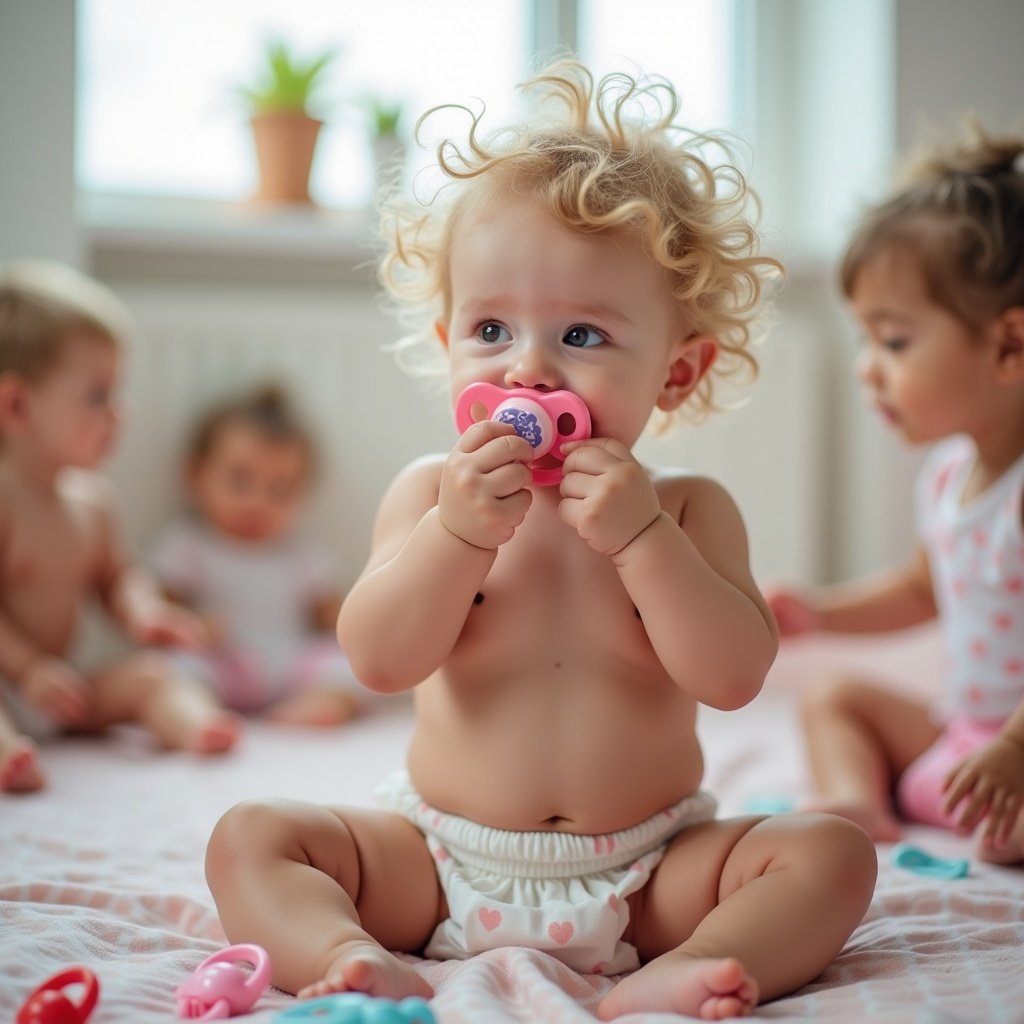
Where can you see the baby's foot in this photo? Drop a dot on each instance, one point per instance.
(19, 768)
(322, 708)
(217, 735)
(363, 966)
(678, 983)
(880, 824)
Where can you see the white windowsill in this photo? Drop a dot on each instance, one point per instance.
(201, 239)
(162, 236)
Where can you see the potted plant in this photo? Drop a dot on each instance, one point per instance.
(284, 130)
(388, 148)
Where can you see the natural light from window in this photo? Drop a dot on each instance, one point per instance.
(159, 112)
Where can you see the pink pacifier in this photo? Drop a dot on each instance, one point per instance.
(219, 988)
(547, 419)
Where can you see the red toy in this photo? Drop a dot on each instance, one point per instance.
(48, 1005)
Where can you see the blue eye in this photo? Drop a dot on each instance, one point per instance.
(493, 333)
(582, 336)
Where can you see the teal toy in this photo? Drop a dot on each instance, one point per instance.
(357, 1008)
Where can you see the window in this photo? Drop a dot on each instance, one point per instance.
(691, 42)
(159, 112)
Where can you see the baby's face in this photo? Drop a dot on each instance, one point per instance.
(73, 410)
(249, 487)
(538, 305)
(922, 369)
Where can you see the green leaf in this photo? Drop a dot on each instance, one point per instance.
(286, 82)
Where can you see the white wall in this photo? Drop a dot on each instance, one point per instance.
(37, 187)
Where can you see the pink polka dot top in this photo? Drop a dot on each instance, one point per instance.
(976, 553)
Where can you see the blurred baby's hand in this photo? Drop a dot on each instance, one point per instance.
(988, 783)
(793, 612)
(168, 625)
(53, 687)
(485, 492)
(607, 496)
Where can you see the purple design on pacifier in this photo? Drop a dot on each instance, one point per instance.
(525, 425)
(546, 419)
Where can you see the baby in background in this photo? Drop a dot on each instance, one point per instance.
(935, 276)
(267, 594)
(61, 339)
(560, 638)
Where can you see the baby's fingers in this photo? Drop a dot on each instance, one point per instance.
(70, 705)
(959, 782)
(1002, 818)
(977, 806)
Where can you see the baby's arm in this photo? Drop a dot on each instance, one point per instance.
(990, 782)
(690, 580)
(686, 571)
(46, 682)
(895, 598)
(133, 599)
(435, 539)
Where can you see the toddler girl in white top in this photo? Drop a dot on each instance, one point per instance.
(936, 277)
(266, 593)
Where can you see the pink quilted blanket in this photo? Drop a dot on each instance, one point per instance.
(105, 869)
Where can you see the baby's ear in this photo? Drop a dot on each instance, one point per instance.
(442, 333)
(12, 400)
(696, 355)
(1010, 328)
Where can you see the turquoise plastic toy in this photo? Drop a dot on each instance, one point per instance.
(357, 1008)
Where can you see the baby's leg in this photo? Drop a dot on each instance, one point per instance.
(324, 692)
(744, 911)
(178, 710)
(318, 706)
(327, 892)
(19, 760)
(860, 739)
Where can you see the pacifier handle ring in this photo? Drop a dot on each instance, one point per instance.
(71, 976)
(243, 952)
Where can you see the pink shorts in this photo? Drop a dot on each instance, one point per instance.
(919, 795)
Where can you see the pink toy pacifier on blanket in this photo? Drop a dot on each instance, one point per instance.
(547, 419)
(219, 988)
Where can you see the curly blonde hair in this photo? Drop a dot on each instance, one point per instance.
(614, 161)
(960, 216)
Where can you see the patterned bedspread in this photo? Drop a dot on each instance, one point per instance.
(105, 869)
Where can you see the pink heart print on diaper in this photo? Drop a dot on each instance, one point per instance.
(547, 419)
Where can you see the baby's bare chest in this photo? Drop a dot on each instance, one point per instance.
(554, 602)
(48, 550)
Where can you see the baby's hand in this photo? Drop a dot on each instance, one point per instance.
(55, 688)
(607, 496)
(991, 781)
(169, 625)
(793, 612)
(485, 492)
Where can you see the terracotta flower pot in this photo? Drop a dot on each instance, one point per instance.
(285, 144)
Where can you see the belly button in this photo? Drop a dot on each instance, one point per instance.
(479, 599)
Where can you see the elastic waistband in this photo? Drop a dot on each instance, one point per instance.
(540, 854)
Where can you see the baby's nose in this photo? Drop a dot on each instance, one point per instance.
(866, 366)
(533, 367)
